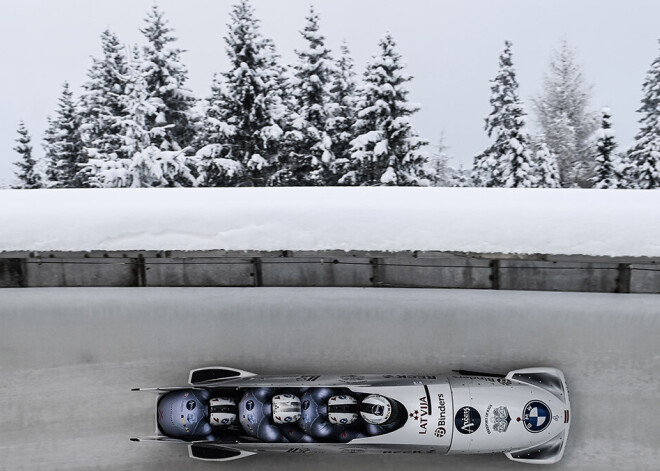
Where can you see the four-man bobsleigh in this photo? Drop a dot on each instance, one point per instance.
(227, 414)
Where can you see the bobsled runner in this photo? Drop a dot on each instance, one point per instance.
(226, 414)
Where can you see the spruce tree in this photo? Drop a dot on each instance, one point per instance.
(609, 168)
(64, 154)
(508, 162)
(309, 158)
(170, 123)
(546, 169)
(103, 110)
(645, 151)
(244, 116)
(27, 174)
(460, 177)
(342, 107)
(565, 121)
(439, 164)
(159, 127)
(387, 150)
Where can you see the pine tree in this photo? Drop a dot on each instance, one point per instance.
(245, 113)
(508, 162)
(170, 122)
(102, 112)
(439, 164)
(645, 151)
(27, 174)
(609, 168)
(63, 146)
(343, 101)
(387, 150)
(460, 177)
(309, 158)
(565, 122)
(546, 169)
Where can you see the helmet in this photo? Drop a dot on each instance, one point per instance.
(222, 411)
(342, 410)
(286, 409)
(376, 409)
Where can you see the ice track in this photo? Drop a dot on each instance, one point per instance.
(68, 358)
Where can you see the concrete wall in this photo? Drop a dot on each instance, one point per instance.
(337, 269)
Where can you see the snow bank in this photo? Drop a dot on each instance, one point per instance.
(587, 222)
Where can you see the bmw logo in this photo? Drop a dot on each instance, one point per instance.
(190, 405)
(288, 419)
(536, 416)
(225, 421)
(249, 405)
(344, 421)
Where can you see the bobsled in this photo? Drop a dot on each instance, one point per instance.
(226, 414)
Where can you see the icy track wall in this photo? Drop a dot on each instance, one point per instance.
(562, 240)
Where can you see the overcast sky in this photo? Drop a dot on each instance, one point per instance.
(451, 47)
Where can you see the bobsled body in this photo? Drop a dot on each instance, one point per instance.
(524, 414)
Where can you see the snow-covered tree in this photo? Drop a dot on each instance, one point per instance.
(63, 146)
(244, 117)
(343, 101)
(309, 159)
(170, 123)
(102, 109)
(26, 172)
(545, 166)
(610, 171)
(509, 161)
(439, 164)
(645, 151)
(460, 177)
(564, 119)
(387, 149)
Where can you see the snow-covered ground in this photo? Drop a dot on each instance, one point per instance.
(68, 358)
(573, 222)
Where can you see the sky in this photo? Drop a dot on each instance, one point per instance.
(451, 47)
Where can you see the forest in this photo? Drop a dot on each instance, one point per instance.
(317, 122)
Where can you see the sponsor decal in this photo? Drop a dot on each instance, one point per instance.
(309, 378)
(467, 420)
(421, 415)
(249, 405)
(305, 405)
(555, 418)
(352, 450)
(191, 418)
(408, 452)
(409, 376)
(190, 405)
(488, 379)
(352, 379)
(498, 418)
(183, 422)
(298, 450)
(536, 416)
(442, 417)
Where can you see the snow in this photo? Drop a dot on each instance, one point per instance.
(481, 220)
